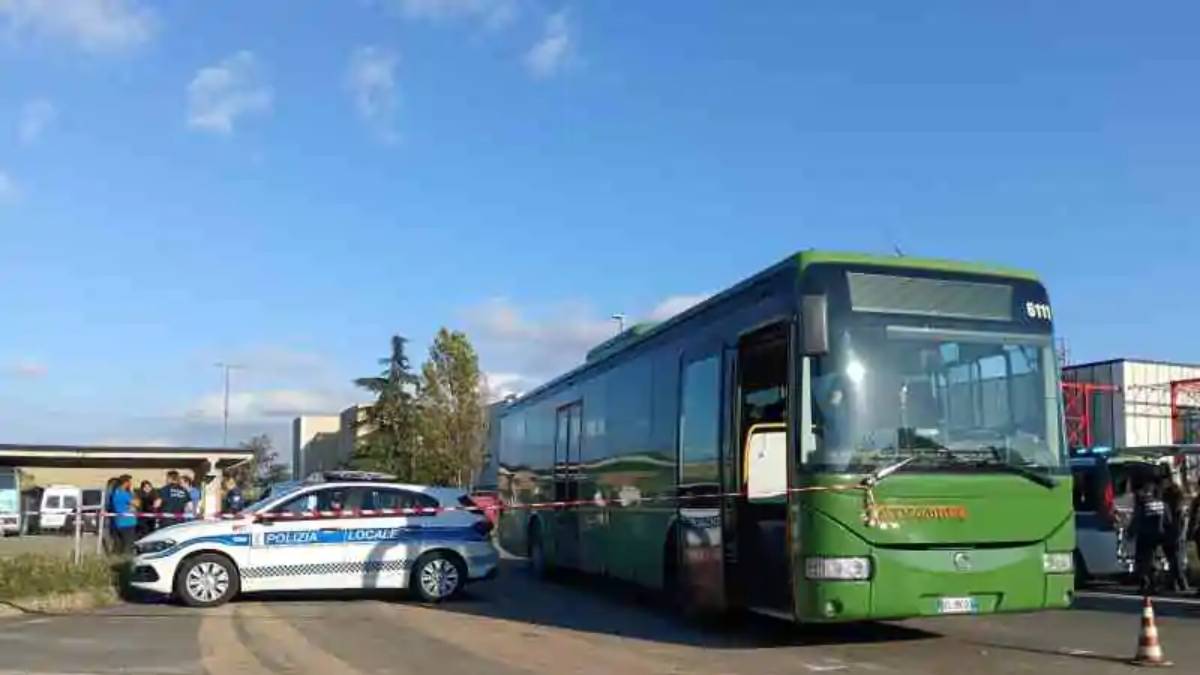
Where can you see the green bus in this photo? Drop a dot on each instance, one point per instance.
(840, 437)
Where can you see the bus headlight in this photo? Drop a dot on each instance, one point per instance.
(1058, 563)
(857, 568)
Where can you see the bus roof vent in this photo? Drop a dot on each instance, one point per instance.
(618, 341)
(930, 297)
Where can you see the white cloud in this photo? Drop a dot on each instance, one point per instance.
(36, 116)
(550, 54)
(25, 369)
(220, 94)
(264, 404)
(96, 26)
(371, 79)
(498, 386)
(8, 188)
(521, 350)
(675, 304)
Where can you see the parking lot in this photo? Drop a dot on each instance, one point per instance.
(520, 625)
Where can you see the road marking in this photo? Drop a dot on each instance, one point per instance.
(824, 668)
(220, 649)
(1192, 602)
(291, 646)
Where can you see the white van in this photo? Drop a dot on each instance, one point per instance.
(58, 503)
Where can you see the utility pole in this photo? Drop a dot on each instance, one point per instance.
(225, 415)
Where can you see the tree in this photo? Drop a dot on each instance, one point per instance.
(265, 466)
(392, 435)
(453, 415)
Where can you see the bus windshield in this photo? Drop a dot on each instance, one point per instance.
(954, 399)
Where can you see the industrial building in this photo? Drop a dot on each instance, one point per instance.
(326, 442)
(1130, 404)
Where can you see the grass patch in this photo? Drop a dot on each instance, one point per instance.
(38, 575)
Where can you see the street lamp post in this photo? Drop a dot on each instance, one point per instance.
(225, 412)
(620, 319)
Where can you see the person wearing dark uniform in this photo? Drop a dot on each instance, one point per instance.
(1175, 541)
(1149, 528)
(174, 499)
(233, 501)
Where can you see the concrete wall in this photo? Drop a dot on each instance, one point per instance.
(1147, 398)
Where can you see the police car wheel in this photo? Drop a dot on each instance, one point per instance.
(437, 577)
(206, 580)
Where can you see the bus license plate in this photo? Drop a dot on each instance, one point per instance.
(957, 605)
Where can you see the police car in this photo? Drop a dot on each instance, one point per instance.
(339, 530)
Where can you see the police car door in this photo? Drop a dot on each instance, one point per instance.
(383, 547)
(292, 549)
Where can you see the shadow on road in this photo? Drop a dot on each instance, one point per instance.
(1066, 654)
(595, 605)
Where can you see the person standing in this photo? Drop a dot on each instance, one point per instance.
(173, 499)
(233, 501)
(1175, 539)
(148, 498)
(125, 521)
(1149, 527)
(193, 507)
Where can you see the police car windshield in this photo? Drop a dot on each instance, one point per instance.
(274, 494)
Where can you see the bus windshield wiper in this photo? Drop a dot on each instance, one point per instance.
(1021, 470)
(880, 474)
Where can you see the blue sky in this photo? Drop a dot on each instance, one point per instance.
(285, 184)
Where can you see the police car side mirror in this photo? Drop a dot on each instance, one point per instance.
(264, 519)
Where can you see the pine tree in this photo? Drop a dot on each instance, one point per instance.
(391, 440)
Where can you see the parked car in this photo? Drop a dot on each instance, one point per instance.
(10, 500)
(48, 508)
(1101, 548)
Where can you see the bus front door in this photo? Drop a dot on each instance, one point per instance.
(568, 433)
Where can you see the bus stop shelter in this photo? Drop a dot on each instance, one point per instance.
(207, 464)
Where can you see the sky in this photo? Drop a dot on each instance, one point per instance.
(284, 184)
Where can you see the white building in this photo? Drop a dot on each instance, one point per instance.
(1132, 403)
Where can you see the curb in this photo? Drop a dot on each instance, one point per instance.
(59, 603)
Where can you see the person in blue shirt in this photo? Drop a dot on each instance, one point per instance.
(125, 521)
(193, 506)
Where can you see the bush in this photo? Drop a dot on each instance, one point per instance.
(33, 575)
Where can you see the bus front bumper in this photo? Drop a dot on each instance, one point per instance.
(940, 581)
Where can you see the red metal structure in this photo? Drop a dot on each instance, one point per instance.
(1078, 403)
(1185, 411)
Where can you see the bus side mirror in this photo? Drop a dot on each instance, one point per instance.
(814, 321)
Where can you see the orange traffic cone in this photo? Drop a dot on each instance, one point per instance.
(1149, 651)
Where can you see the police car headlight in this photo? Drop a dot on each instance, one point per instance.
(1058, 563)
(142, 548)
(856, 568)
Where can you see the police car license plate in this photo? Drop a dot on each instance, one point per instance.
(957, 606)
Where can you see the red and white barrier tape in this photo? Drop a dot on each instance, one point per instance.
(871, 510)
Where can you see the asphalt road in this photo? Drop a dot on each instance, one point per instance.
(519, 625)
